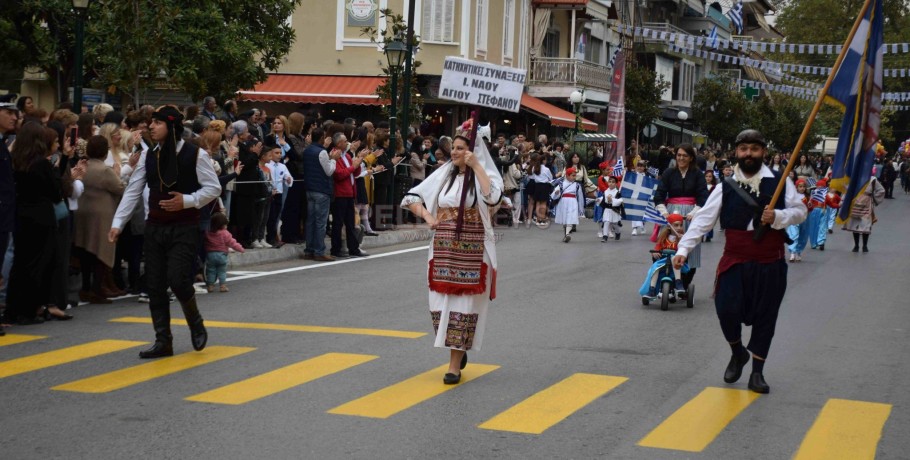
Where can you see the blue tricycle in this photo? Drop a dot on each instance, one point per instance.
(661, 282)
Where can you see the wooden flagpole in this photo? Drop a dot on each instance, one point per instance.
(818, 105)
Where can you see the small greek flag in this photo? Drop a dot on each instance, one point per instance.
(736, 16)
(819, 194)
(653, 171)
(712, 38)
(810, 182)
(619, 168)
(651, 215)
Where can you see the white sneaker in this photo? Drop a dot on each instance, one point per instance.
(792, 257)
(257, 245)
(264, 244)
(600, 234)
(200, 289)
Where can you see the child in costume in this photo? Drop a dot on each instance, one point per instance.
(833, 200)
(799, 233)
(571, 202)
(668, 238)
(611, 201)
(602, 186)
(818, 219)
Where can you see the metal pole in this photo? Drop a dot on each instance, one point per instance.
(406, 92)
(77, 78)
(393, 115)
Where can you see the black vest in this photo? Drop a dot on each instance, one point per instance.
(314, 176)
(187, 183)
(736, 214)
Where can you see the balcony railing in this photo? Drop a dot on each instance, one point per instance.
(547, 71)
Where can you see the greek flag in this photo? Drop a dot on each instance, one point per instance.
(736, 16)
(857, 90)
(651, 215)
(810, 182)
(819, 194)
(637, 190)
(712, 38)
(619, 168)
(653, 171)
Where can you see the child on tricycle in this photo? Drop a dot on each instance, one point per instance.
(662, 281)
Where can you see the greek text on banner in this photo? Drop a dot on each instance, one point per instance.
(479, 83)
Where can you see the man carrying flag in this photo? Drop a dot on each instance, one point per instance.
(752, 273)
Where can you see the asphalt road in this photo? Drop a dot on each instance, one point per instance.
(567, 315)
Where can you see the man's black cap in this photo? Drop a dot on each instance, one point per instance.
(750, 136)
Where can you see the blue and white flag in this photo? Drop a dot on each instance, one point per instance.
(736, 16)
(619, 168)
(712, 38)
(653, 171)
(819, 194)
(857, 89)
(810, 182)
(651, 215)
(637, 191)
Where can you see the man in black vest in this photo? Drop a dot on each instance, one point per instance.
(181, 180)
(752, 273)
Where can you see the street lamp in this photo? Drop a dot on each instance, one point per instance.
(394, 53)
(81, 7)
(682, 116)
(577, 98)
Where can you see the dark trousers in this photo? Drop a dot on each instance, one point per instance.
(60, 284)
(343, 214)
(274, 215)
(294, 214)
(889, 189)
(4, 244)
(169, 254)
(751, 293)
(31, 276)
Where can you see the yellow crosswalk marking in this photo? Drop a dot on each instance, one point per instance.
(286, 327)
(282, 379)
(695, 425)
(63, 356)
(403, 395)
(12, 339)
(144, 372)
(845, 430)
(552, 405)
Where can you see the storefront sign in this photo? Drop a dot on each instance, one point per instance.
(479, 83)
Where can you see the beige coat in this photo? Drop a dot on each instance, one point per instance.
(97, 206)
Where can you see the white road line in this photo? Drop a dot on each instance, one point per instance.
(327, 264)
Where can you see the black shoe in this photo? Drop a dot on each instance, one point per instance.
(855, 248)
(26, 321)
(830, 232)
(451, 379)
(821, 247)
(735, 367)
(566, 239)
(865, 249)
(371, 234)
(464, 360)
(617, 236)
(359, 254)
(757, 383)
(158, 350)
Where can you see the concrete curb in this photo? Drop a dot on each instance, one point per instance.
(411, 234)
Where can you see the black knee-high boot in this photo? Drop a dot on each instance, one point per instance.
(855, 242)
(865, 242)
(163, 346)
(198, 334)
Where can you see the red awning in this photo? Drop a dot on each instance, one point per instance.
(557, 116)
(317, 89)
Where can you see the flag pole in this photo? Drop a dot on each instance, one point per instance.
(818, 105)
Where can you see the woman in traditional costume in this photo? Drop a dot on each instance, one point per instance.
(462, 259)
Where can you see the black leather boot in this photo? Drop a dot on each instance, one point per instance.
(735, 367)
(198, 335)
(757, 383)
(161, 321)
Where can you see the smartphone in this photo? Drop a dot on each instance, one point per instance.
(74, 134)
(236, 162)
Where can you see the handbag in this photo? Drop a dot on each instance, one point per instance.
(60, 211)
